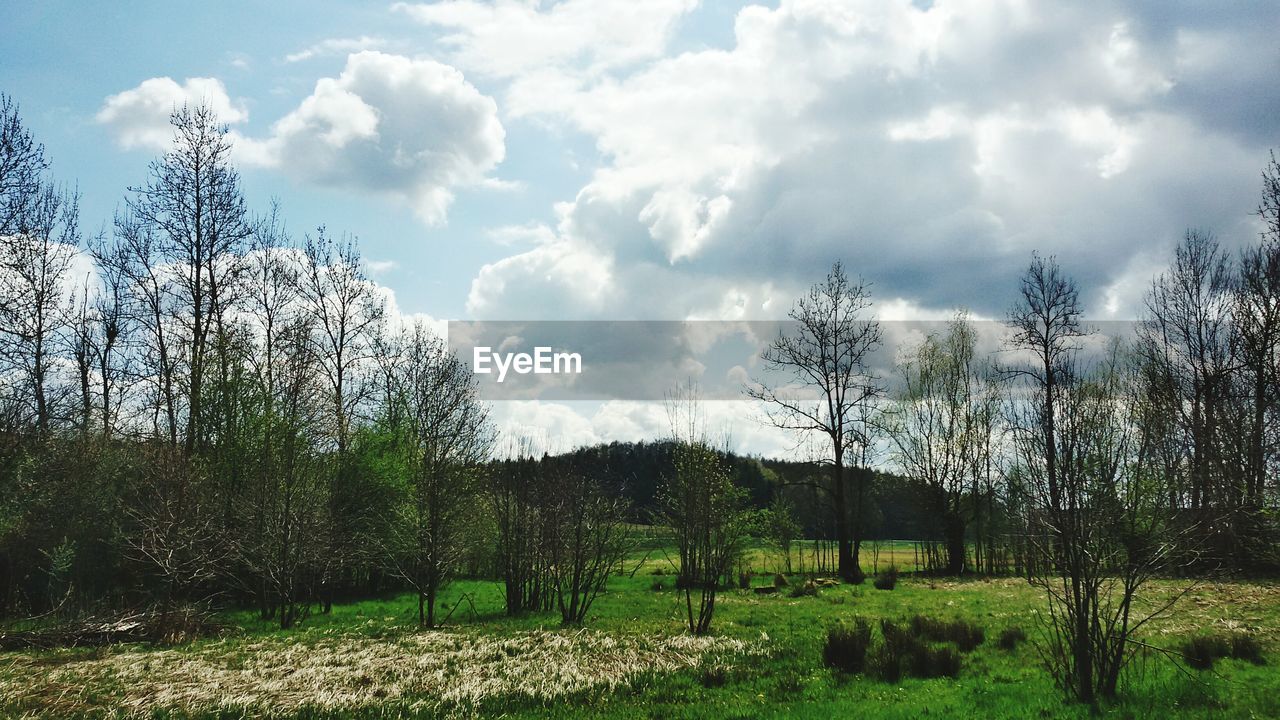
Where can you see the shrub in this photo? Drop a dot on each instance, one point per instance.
(779, 580)
(1246, 647)
(886, 663)
(935, 662)
(1201, 651)
(658, 586)
(846, 647)
(1010, 637)
(806, 589)
(894, 656)
(658, 571)
(888, 579)
(965, 635)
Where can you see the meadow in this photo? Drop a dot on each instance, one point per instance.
(632, 658)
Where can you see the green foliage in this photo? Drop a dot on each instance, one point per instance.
(888, 579)
(1010, 638)
(1202, 651)
(846, 646)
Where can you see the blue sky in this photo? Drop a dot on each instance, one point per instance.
(676, 159)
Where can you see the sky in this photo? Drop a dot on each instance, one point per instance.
(675, 159)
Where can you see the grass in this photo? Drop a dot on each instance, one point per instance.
(765, 659)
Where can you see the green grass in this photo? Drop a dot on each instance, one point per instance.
(780, 674)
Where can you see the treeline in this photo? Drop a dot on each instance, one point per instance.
(194, 404)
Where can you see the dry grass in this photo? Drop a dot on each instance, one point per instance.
(421, 670)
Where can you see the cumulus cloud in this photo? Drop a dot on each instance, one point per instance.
(930, 146)
(410, 130)
(390, 125)
(508, 38)
(139, 118)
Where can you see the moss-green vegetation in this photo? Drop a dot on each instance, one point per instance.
(765, 659)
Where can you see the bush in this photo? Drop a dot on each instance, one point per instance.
(846, 648)
(888, 579)
(895, 655)
(657, 586)
(1246, 647)
(902, 651)
(779, 580)
(1201, 651)
(935, 662)
(658, 571)
(806, 589)
(965, 635)
(1010, 637)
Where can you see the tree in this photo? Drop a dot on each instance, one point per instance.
(1095, 517)
(518, 496)
(781, 528)
(704, 511)
(590, 538)
(1190, 342)
(450, 438)
(194, 218)
(348, 313)
(828, 354)
(34, 310)
(940, 430)
(22, 166)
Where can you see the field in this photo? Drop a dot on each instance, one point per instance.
(632, 659)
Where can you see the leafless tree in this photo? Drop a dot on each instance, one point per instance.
(941, 429)
(704, 511)
(451, 437)
(1190, 342)
(195, 220)
(590, 538)
(518, 496)
(22, 166)
(34, 309)
(828, 355)
(348, 312)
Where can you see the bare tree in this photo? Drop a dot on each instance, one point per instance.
(195, 220)
(348, 313)
(828, 355)
(940, 429)
(34, 308)
(706, 514)
(590, 538)
(22, 166)
(518, 496)
(1095, 517)
(1189, 338)
(451, 437)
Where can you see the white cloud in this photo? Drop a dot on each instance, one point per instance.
(930, 147)
(408, 129)
(561, 426)
(336, 46)
(139, 118)
(508, 38)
